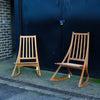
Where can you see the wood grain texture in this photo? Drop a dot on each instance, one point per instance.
(27, 43)
(80, 48)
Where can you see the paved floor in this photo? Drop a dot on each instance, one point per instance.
(66, 89)
(14, 93)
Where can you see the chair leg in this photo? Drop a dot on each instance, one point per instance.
(19, 71)
(38, 70)
(54, 79)
(80, 82)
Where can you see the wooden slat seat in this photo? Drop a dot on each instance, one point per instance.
(78, 52)
(27, 51)
(70, 65)
(22, 64)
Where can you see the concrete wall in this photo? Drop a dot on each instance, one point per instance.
(5, 29)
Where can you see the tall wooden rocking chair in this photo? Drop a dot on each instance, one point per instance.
(76, 57)
(27, 55)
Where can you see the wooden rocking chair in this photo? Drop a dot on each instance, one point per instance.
(27, 55)
(76, 57)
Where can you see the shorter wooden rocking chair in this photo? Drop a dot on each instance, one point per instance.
(76, 57)
(27, 55)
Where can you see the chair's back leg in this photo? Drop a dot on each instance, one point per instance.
(69, 71)
(87, 71)
(38, 70)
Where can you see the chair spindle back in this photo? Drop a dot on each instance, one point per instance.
(79, 47)
(27, 47)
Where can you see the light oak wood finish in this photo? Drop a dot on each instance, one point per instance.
(27, 51)
(78, 52)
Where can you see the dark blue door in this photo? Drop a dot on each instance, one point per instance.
(41, 18)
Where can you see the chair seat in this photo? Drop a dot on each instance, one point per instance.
(70, 65)
(21, 64)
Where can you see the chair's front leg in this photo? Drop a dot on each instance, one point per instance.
(19, 71)
(80, 82)
(59, 79)
(53, 77)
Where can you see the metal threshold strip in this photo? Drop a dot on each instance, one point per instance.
(50, 89)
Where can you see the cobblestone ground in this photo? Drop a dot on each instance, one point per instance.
(15, 93)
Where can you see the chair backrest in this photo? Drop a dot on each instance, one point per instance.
(27, 48)
(79, 47)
